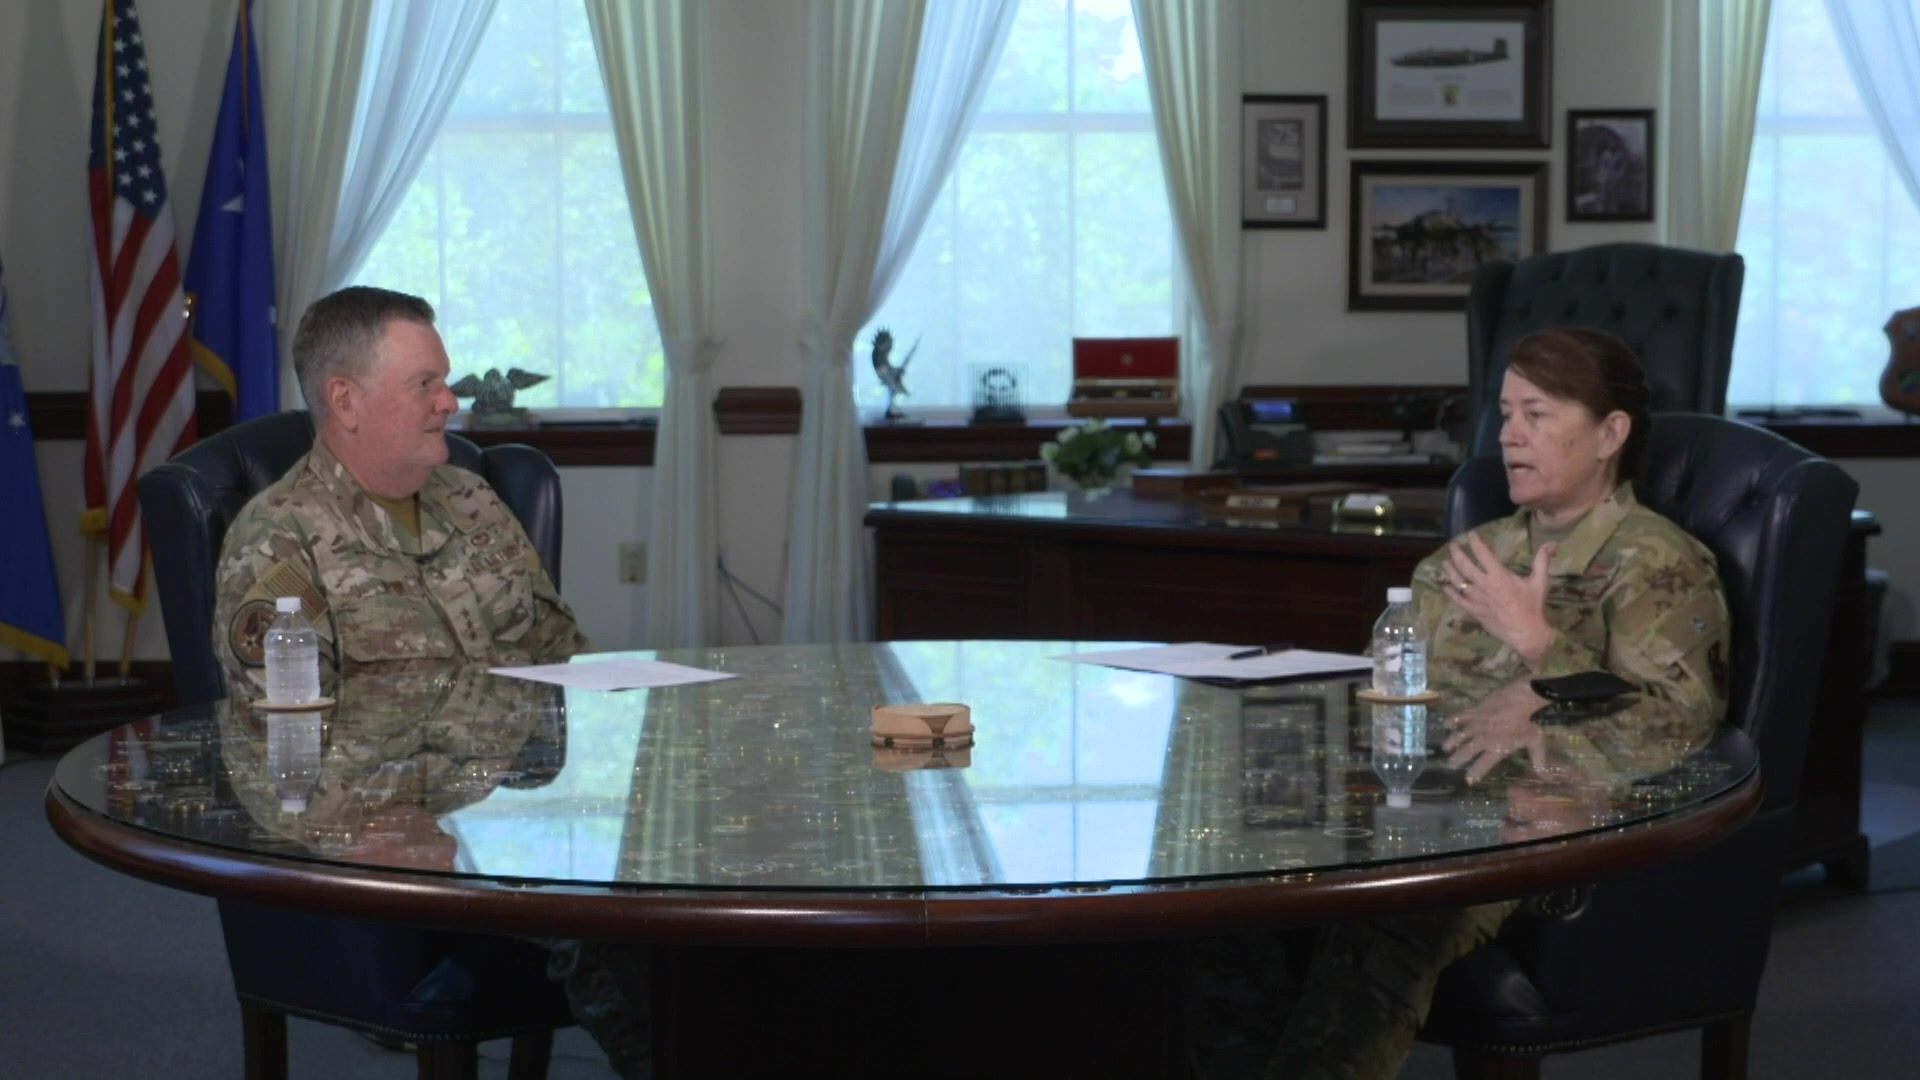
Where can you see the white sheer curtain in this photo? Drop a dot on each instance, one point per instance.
(418, 52)
(1713, 88)
(891, 90)
(652, 55)
(311, 55)
(1881, 42)
(1192, 53)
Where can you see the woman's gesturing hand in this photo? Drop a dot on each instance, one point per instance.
(1511, 608)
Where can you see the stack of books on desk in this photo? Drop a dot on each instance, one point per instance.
(1278, 504)
(1003, 478)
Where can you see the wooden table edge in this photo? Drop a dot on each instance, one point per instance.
(905, 919)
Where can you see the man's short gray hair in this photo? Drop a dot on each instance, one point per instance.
(338, 334)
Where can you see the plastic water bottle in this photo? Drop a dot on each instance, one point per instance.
(293, 756)
(1399, 750)
(293, 656)
(1399, 648)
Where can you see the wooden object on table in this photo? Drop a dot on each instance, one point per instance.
(1280, 502)
(1179, 483)
(1125, 377)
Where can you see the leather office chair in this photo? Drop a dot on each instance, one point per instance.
(1681, 945)
(444, 992)
(1676, 308)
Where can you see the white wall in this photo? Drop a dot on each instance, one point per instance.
(1605, 56)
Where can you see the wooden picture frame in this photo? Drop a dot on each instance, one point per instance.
(1450, 74)
(1610, 164)
(1418, 230)
(1283, 161)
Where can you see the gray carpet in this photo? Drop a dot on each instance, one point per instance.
(103, 976)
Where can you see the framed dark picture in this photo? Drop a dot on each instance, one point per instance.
(1449, 73)
(1283, 161)
(1610, 165)
(1418, 230)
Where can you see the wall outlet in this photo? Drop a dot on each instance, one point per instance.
(633, 563)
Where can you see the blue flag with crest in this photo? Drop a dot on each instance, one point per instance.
(230, 273)
(30, 615)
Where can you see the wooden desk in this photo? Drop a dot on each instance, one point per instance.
(1057, 566)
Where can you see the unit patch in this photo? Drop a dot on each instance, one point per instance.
(247, 632)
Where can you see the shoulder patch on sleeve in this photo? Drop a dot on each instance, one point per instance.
(247, 632)
(289, 577)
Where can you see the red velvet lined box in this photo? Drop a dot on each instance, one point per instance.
(1125, 377)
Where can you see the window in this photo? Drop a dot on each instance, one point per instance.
(517, 227)
(1827, 229)
(1054, 223)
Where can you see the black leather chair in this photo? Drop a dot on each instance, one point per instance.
(1682, 945)
(1676, 308)
(444, 992)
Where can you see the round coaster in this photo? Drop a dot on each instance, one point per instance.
(263, 705)
(922, 722)
(1375, 697)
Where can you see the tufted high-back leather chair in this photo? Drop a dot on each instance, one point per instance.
(1675, 308)
(1681, 945)
(444, 992)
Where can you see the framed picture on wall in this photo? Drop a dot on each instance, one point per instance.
(1610, 165)
(1449, 73)
(1283, 161)
(1418, 230)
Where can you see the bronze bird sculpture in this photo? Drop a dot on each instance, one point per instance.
(891, 377)
(493, 392)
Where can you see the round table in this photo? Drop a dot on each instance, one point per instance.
(1097, 805)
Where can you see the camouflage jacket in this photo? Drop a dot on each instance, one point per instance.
(469, 587)
(438, 736)
(1630, 593)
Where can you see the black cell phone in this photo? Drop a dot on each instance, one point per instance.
(1587, 686)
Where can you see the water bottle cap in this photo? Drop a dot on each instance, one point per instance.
(1400, 594)
(1399, 800)
(286, 604)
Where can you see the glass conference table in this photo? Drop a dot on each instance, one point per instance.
(1097, 806)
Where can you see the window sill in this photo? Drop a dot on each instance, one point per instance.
(1847, 436)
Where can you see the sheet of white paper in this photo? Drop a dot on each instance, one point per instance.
(613, 674)
(1205, 660)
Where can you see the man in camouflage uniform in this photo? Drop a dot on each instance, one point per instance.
(400, 561)
(396, 556)
(1626, 591)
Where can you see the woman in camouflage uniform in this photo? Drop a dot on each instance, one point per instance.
(1581, 578)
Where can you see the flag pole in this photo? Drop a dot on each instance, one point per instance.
(126, 645)
(93, 571)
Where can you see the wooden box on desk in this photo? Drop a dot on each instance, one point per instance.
(1125, 377)
(1180, 483)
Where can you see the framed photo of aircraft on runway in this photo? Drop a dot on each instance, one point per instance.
(1418, 230)
(1449, 74)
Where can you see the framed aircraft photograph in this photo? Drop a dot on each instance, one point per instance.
(1449, 73)
(1419, 230)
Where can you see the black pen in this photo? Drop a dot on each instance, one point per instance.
(1259, 650)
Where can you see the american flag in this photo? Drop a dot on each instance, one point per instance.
(142, 396)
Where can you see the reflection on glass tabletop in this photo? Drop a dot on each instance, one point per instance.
(1080, 775)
